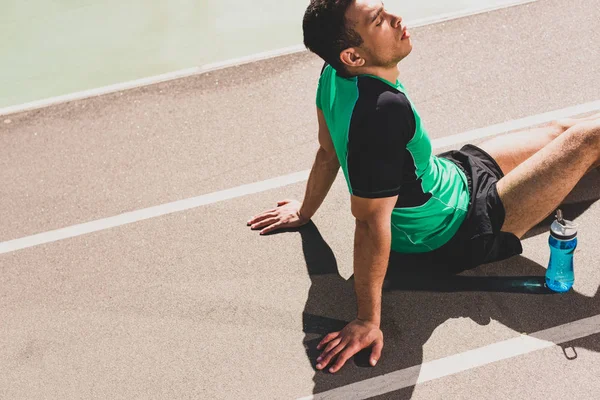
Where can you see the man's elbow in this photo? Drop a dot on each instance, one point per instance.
(373, 223)
(374, 234)
(374, 214)
(328, 157)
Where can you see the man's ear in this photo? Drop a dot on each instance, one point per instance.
(351, 58)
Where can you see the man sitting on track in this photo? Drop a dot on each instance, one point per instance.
(464, 208)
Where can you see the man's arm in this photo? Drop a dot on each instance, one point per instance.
(376, 158)
(323, 172)
(290, 213)
(372, 241)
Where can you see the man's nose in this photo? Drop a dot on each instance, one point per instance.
(396, 21)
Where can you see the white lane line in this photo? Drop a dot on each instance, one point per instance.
(182, 205)
(516, 124)
(463, 361)
(228, 63)
(152, 212)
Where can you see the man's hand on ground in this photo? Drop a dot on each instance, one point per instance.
(286, 215)
(357, 335)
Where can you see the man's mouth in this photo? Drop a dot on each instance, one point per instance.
(405, 34)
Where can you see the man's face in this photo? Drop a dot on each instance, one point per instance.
(385, 39)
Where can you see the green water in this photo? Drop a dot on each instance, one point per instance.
(55, 47)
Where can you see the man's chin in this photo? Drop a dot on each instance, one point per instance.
(401, 57)
(405, 52)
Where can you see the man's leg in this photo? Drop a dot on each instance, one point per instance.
(536, 187)
(512, 149)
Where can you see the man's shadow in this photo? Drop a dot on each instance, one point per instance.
(417, 300)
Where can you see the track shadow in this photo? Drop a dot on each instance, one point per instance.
(418, 298)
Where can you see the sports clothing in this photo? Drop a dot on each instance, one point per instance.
(384, 151)
(479, 239)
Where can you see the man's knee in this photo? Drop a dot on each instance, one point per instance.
(561, 125)
(588, 133)
(592, 129)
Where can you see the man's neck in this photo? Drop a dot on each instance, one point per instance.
(389, 74)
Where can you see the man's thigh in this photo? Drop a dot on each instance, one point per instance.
(536, 187)
(512, 149)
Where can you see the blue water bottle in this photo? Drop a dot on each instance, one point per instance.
(563, 241)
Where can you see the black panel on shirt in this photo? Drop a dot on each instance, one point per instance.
(323, 69)
(379, 165)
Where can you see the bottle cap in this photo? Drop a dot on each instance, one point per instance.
(562, 229)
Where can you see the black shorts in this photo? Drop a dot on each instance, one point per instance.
(479, 239)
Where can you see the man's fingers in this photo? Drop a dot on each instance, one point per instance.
(271, 228)
(261, 217)
(331, 345)
(327, 339)
(264, 222)
(343, 357)
(326, 358)
(376, 353)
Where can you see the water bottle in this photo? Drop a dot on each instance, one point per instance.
(563, 241)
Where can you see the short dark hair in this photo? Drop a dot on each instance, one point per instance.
(327, 32)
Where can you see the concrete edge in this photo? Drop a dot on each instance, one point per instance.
(184, 73)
